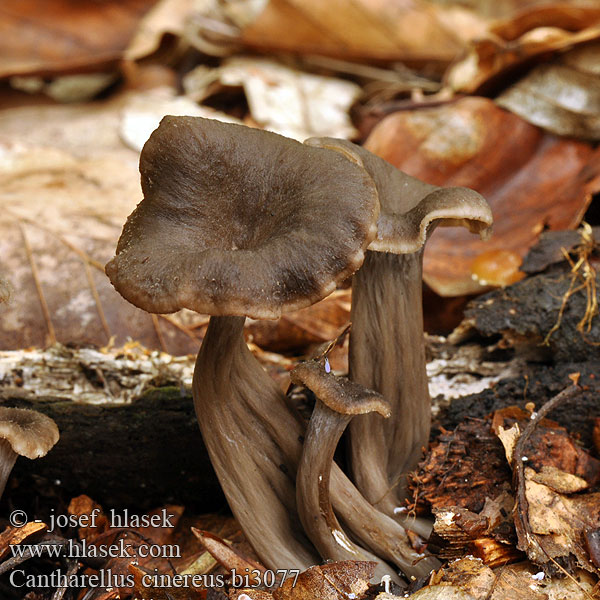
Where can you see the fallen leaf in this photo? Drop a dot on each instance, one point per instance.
(470, 579)
(13, 536)
(333, 581)
(282, 99)
(559, 481)
(561, 96)
(321, 322)
(249, 594)
(549, 450)
(66, 88)
(229, 557)
(367, 29)
(146, 544)
(166, 17)
(96, 522)
(516, 41)
(52, 36)
(559, 523)
(441, 592)
(531, 180)
(142, 113)
(65, 195)
(509, 438)
(469, 575)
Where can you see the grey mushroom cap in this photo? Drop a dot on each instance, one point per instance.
(241, 222)
(340, 394)
(29, 433)
(410, 206)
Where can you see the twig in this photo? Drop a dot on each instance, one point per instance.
(60, 592)
(522, 512)
(522, 523)
(14, 561)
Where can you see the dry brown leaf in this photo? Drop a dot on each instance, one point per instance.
(469, 575)
(333, 581)
(142, 114)
(562, 96)
(549, 449)
(559, 481)
(441, 592)
(84, 506)
(229, 557)
(165, 17)
(130, 531)
(50, 36)
(470, 579)
(282, 99)
(12, 536)
(559, 523)
(68, 184)
(531, 180)
(510, 43)
(374, 29)
(249, 594)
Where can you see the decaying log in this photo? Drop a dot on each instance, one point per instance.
(129, 434)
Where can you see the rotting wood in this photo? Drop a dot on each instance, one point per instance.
(129, 434)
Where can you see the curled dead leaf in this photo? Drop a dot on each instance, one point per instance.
(511, 42)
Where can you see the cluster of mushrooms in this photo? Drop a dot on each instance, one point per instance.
(238, 222)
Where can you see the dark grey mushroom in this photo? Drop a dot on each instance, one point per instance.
(338, 401)
(239, 222)
(25, 433)
(387, 349)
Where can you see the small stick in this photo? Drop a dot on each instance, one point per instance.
(522, 513)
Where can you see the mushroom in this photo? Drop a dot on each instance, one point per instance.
(239, 222)
(26, 433)
(337, 401)
(387, 349)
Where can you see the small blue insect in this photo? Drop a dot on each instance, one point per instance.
(327, 366)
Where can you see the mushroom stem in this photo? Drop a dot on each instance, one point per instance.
(8, 457)
(312, 491)
(376, 530)
(255, 445)
(242, 417)
(387, 354)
